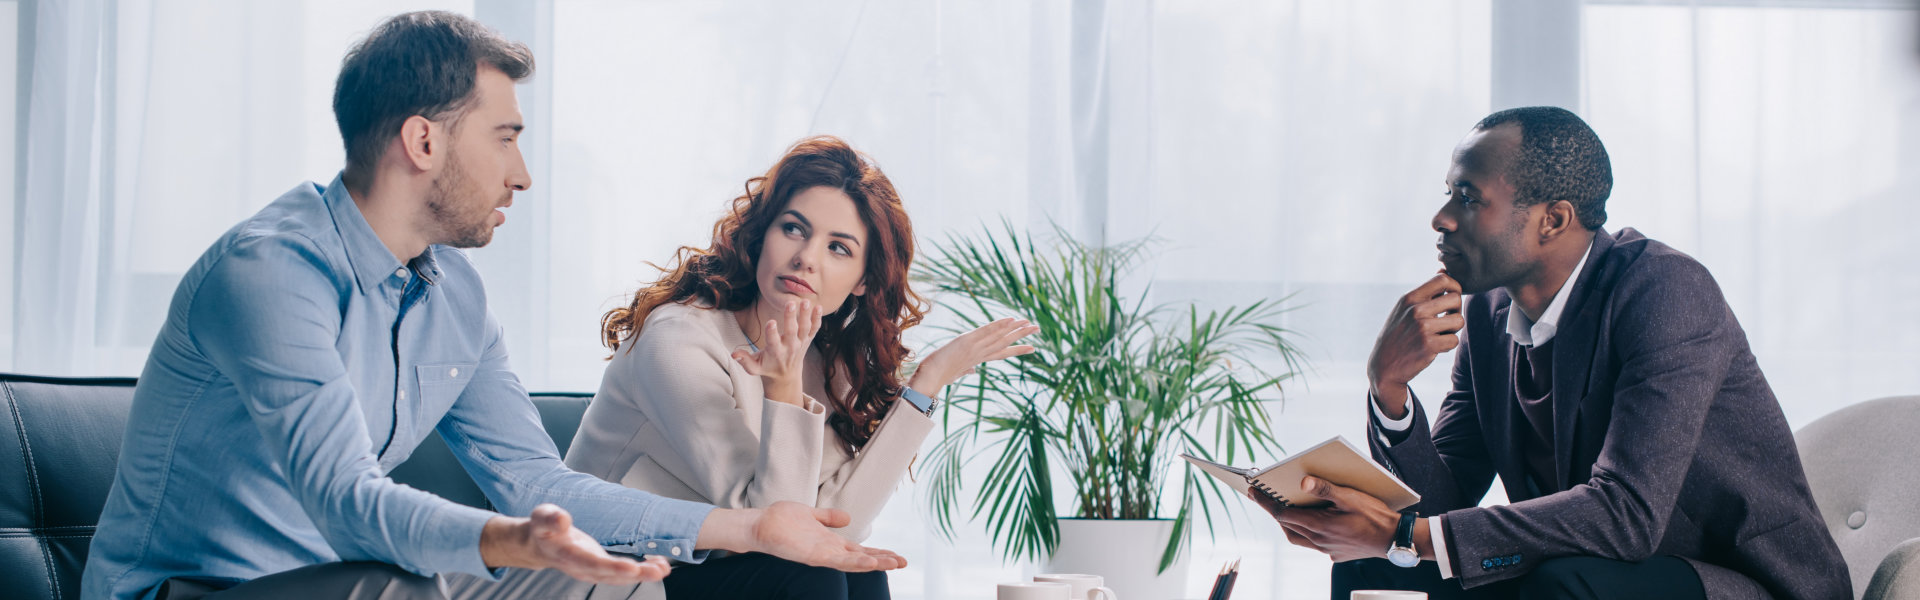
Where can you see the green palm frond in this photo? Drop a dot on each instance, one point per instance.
(1115, 389)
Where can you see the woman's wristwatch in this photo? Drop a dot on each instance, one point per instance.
(922, 402)
(1402, 553)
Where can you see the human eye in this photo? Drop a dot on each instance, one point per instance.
(791, 228)
(840, 249)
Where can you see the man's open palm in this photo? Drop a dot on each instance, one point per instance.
(547, 540)
(800, 533)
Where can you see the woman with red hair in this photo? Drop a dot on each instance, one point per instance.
(767, 367)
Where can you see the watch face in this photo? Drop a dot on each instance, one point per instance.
(1403, 557)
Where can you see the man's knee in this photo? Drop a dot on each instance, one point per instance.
(1378, 574)
(1559, 578)
(354, 580)
(389, 582)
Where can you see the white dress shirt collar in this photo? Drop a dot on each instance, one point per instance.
(1528, 332)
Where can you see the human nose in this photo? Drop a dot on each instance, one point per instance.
(1443, 220)
(518, 178)
(806, 257)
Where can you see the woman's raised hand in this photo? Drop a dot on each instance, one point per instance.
(783, 352)
(993, 341)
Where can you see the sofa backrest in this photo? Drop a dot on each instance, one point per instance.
(61, 441)
(1864, 469)
(433, 468)
(57, 453)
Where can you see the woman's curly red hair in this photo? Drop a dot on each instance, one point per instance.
(868, 345)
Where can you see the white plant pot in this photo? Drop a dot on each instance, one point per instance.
(1124, 552)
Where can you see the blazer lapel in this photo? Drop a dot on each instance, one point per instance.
(1573, 349)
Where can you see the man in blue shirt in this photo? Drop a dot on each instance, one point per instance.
(313, 347)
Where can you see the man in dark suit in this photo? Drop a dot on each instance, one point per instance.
(1605, 381)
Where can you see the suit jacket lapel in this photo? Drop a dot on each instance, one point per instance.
(1573, 349)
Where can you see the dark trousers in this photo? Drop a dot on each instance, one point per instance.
(1570, 578)
(763, 576)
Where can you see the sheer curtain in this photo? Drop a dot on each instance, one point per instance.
(1274, 147)
(1781, 147)
(149, 128)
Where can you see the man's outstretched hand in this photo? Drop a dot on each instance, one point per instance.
(547, 540)
(795, 532)
(1355, 526)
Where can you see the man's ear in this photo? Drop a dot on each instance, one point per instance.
(420, 143)
(1559, 219)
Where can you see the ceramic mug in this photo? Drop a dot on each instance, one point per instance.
(1387, 595)
(1035, 590)
(1085, 587)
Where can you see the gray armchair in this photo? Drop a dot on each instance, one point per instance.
(1865, 472)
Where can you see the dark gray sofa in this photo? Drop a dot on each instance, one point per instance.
(57, 455)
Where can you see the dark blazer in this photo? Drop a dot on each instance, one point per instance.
(1667, 440)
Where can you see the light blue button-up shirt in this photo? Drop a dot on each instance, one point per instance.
(300, 362)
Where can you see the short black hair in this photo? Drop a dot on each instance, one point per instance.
(1558, 158)
(419, 63)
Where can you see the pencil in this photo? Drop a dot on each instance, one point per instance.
(1219, 585)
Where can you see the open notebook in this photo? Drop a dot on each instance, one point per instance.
(1335, 460)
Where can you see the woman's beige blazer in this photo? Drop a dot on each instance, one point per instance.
(677, 416)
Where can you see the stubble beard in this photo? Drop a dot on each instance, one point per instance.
(445, 204)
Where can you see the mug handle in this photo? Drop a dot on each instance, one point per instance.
(1105, 592)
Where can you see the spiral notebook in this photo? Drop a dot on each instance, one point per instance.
(1335, 460)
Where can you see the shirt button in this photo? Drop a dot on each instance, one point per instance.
(453, 372)
(401, 273)
(675, 551)
(652, 545)
(403, 394)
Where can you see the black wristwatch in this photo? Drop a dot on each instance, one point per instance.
(1402, 553)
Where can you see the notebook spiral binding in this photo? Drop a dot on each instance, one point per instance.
(1264, 489)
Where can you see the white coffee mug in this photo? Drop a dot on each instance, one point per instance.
(1085, 587)
(1035, 590)
(1387, 595)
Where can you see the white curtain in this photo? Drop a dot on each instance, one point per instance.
(150, 129)
(58, 213)
(1275, 146)
(1781, 147)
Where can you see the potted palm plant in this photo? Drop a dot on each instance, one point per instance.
(1115, 390)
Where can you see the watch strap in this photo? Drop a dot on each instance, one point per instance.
(1403, 534)
(922, 402)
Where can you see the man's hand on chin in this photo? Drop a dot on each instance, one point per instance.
(1355, 526)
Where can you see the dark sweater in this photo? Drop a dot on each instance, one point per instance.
(1533, 387)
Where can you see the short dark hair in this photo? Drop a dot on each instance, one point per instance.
(1558, 158)
(419, 63)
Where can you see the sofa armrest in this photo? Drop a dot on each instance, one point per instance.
(1898, 575)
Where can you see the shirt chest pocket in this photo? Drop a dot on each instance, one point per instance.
(440, 385)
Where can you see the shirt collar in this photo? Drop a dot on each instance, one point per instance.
(373, 264)
(1528, 333)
